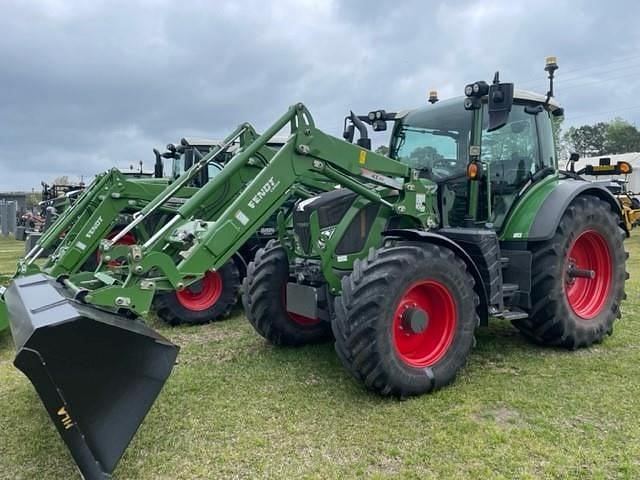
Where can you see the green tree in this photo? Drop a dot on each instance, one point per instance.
(559, 140)
(33, 199)
(587, 140)
(382, 150)
(622, 137)
(63, 180)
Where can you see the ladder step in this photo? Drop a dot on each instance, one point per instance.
(509, 288)
(513, 315)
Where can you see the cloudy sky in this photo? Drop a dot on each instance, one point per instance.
(89, 85)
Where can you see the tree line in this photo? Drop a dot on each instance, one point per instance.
(602, 138)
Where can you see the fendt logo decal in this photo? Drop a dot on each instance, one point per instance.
(268, 187)
(94, 227)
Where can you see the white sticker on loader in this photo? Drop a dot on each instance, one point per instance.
(242, 218)
(420, 202)
(517, 235)
(81, 245)
(342, 258)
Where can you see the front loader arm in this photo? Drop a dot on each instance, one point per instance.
(307, 155)
(68, 218)
(95, 368)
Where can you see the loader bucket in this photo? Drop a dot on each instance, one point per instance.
(4, 315)
(97, 373)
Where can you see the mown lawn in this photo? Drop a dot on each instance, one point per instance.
(236, 407)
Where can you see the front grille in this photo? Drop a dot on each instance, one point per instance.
(356, 235)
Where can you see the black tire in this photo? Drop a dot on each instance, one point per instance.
(366, 312)
(173, 311)
(263, 297)
(553, 321)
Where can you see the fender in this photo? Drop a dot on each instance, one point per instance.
(548, 217)
(437, 239)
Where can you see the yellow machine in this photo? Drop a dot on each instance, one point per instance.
(629, 201)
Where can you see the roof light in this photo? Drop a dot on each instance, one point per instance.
(433, 96)
(480, 89)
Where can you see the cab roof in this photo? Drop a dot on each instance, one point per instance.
(518, 94)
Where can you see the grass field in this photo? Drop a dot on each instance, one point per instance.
(236, 407)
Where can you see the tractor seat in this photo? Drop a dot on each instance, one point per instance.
(508, 176)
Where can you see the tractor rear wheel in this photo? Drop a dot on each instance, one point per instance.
(207, 300)
(577, 278)
(264, 299)
(406, 318)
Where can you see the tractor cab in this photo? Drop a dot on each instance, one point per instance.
(191, 150)
(484, 150)
(456, 148)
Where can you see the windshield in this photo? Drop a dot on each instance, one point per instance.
(435, 139)
(188, 158)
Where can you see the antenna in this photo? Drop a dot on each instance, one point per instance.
(551, 65)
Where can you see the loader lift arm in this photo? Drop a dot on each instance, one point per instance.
(95, 365)
(308, 153)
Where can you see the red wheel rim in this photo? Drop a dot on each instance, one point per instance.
(588, 296)
(127, 239)
(433, 301)
(203, 294)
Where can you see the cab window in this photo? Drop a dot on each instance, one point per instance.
(512, 151)
(512, 155)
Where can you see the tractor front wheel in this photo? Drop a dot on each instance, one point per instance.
(208, 299)
(264, 299)
(406, 318)
(577, 278)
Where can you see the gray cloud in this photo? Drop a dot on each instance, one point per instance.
(86, 86)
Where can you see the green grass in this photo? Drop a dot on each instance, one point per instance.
(236, 407)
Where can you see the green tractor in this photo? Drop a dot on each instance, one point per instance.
(113, 201)
(468, 218)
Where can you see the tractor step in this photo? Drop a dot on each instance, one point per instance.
(512, 315)
(509, 289)
(96, 373)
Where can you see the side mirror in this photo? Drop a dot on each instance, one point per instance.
(349, 132)
(364, 141)
(500, 103)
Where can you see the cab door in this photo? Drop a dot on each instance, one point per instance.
(512, 156)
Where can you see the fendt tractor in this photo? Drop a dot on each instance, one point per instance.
(467, 218)
(112, 202)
